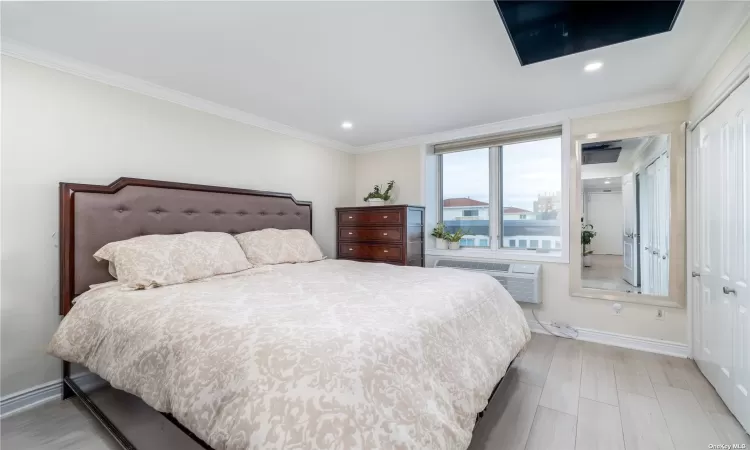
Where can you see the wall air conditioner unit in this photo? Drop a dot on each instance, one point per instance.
(522, 280)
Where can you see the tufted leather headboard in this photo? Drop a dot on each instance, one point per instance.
(93, 215)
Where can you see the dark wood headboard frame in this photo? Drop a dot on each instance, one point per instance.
(67, 225)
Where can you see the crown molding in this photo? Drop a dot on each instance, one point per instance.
(92, 72)
(546, 119)
(705, 61)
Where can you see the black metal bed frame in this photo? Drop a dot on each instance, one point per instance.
(71, 388)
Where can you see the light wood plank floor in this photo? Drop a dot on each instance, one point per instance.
(559, 395)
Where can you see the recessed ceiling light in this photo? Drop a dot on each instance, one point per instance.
(591, 136)
(607, 182)
(593, 66)
(346, 125)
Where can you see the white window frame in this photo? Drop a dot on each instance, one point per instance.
(433, 190)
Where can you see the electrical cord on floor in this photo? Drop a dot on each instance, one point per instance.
(565, 336)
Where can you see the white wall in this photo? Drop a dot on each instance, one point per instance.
(403, 165)
(58, 127)
(604, 211)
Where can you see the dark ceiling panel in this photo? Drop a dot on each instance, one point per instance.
(542, 30)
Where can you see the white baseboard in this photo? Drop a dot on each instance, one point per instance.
(622, 340)
(44, 393)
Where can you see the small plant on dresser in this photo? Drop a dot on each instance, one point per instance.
(379, 196)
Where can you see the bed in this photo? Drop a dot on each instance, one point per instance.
(320, 355)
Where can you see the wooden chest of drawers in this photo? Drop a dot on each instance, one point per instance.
(392, 234)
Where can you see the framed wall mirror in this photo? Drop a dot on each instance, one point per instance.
(627, 227)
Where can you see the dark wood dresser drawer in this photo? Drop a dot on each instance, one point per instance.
(391, 234)
(373, 252)
(370, 234)
(379, 217)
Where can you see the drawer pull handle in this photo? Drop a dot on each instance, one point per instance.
(350, 232)
(350, 217)
(350, 249)
(385, 234)
(385, 251)
(385, 217)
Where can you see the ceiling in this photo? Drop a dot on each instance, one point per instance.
(394, 69)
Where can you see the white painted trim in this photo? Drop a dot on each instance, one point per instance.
(112, 78)
(29, 398)
(522, 123)
(44, 393)
(622, 340)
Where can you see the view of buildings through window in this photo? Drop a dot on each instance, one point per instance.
(530, 176)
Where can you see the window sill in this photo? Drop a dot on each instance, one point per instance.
(500, 255)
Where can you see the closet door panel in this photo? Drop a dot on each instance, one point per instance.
(724, 313)
(740, 401)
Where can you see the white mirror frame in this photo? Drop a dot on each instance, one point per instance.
(677, 242)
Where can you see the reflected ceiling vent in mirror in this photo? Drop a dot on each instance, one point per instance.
(542, 30)
(600, 152)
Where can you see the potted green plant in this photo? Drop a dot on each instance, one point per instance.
(439, 234)
(379, 196)
(454, 239)
(587, 234)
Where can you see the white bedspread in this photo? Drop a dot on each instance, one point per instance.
(326, 355)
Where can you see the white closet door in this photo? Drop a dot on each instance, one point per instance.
(630, 231)
(740, 270)
(662, 222)
(723, 190)
(695, 205)
(644, 181)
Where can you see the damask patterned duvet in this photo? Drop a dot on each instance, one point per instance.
(325, 355)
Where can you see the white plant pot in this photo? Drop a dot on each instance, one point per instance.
(375, 202)
(586, 260)
(454, 245)
(441, 244)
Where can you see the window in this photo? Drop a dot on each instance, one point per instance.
(533, 187)
(466, 183)
(466, 242)
(499, 189)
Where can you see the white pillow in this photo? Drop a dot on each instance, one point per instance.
(160, 260)
(272, 246)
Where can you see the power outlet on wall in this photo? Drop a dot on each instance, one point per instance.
(616, 309)
(659, 314)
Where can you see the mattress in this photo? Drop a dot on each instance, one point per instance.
(332, 354)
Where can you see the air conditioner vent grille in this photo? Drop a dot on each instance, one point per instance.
(521, 280)
(521, 289)
(474, 265)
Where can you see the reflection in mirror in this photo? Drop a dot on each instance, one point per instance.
(625, 215)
